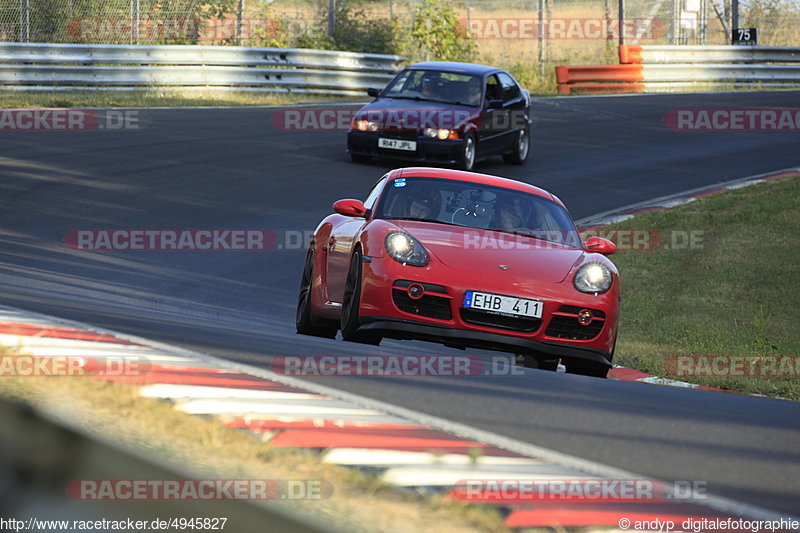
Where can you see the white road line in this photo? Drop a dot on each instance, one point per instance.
(196, 392)
(375, 457)
(449, 475)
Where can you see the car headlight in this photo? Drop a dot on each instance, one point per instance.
(366, 125)
(441, 133)
(593, 277)
(406, 249)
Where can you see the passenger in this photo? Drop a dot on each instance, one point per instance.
(474, 88)
(512, 215)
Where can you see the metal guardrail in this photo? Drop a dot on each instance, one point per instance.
(662, 68)
(707, 54)
(97, 66)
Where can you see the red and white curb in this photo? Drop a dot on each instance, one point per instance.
(674, 200)
(406, 449)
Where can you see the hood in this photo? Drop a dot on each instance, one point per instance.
(411, 114)
(484, 250)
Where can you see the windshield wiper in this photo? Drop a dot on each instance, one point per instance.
(417, 99)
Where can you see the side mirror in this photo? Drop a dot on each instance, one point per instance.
(494, 104)
(351, 208)
(599, 245)
(373, 92)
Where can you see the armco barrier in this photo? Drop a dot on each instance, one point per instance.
(664, 68)
(47, 66)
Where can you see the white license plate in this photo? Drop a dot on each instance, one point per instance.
(397, 144)
(507, 305)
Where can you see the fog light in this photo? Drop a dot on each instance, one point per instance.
(585, 317)
(415, 291)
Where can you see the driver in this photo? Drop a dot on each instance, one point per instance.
(424, 205)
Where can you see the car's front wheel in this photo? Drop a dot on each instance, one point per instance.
(466, 159)
(586, 368)
(306, 322)
(351, 303)
(522, 145)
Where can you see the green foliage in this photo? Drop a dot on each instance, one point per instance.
(355, 31)
(189, 15)
(436, 34)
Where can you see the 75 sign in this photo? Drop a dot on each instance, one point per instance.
(745, 36)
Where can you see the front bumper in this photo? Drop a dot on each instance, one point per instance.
(446, 151)
(440, 316)
(404, 329)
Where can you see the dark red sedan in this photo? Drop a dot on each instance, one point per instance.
(445, 112)
(465, 260)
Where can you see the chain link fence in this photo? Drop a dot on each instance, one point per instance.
(523, 35)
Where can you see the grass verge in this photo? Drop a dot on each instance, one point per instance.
(208, 449)
(734, 294)
(11, 99)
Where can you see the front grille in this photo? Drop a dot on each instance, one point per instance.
(399, 134)
(490, 320)
(566, 326)
(429, 305)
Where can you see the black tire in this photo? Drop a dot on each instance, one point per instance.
(350, 304)
(586, 368)
(521, 148)
(358, 158)
(466, 159)
(306, 322)
(532, 361)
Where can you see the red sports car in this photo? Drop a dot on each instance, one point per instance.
(465, 260)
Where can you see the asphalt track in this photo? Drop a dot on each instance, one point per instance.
(231, 169)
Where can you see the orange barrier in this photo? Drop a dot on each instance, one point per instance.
(578, 74)
(630, 53)
(622, 78)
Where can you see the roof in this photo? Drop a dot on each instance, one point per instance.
(473, 69)
(475, 177)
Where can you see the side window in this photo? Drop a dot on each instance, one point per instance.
(494, 90)
(369, 203)
(510, 88)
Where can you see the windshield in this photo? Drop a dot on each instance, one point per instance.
(464, 203)
(436, 86)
